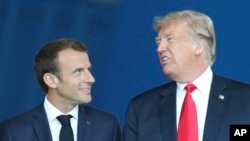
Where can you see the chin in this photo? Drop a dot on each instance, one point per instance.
(169, 74)
(85, 100)
(166, 71)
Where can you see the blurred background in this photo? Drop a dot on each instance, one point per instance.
(121, 44)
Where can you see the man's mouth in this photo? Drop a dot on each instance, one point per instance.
(164, 59)
(86, 90)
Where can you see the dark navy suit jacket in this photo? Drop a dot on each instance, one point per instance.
(93, 125)
(151, 116)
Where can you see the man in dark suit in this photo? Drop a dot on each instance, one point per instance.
(63, 70)
(186, 49)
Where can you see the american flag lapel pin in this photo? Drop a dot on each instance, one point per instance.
(221, 97)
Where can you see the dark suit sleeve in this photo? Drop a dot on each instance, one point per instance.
(4, 133)
(130, 132)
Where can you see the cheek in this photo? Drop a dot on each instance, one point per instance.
(183, 57)
(67, 86)
(64, 89)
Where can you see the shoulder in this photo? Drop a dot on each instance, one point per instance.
(95, 113)
(231, 83)
(150, 99)
(103, 125)
(238, 91)
(155, 93)
(97, 117)
(23, 118)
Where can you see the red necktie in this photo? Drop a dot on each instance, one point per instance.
(188, 126)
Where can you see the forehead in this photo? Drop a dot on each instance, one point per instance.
(172, 28)
(71, 58)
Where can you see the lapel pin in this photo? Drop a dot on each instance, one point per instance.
(88, 122)
(221, 97)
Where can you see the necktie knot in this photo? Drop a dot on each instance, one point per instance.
(64, 119)
(190, 88)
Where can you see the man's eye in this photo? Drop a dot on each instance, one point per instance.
(157, 40)
(78, 72)
(169, 39)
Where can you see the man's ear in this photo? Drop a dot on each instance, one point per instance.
(50, 80)
(200, 47)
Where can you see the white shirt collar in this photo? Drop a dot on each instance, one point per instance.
(203, 82)
(52, 112)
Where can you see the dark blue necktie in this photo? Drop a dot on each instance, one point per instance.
(66, 133)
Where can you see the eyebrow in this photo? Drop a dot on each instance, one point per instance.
(82, 68)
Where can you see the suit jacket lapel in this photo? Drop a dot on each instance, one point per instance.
(167, 112)
(216, 106)
(41, 125)
(84, 125)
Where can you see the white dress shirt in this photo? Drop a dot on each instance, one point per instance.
(55, 126)
(200, 97)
